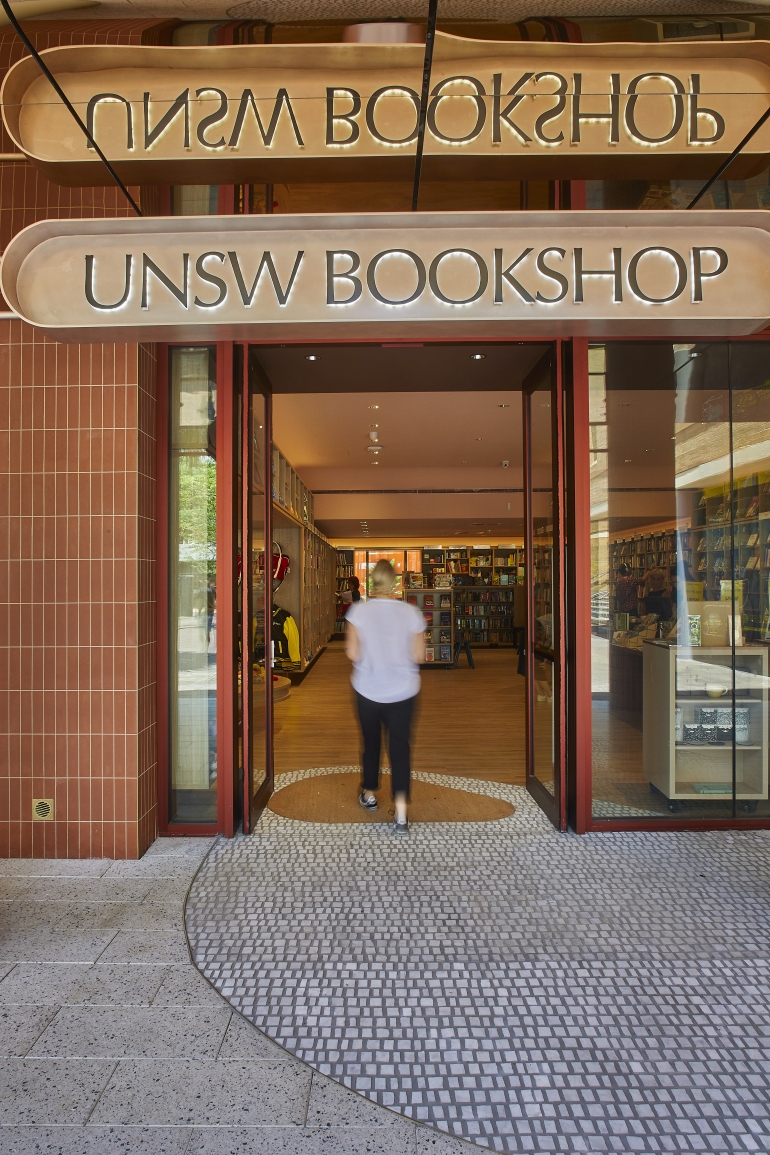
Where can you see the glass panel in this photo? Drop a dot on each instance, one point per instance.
(257, 625)
(543, 750)
(750, 414)
(193, 586)
(679, 587)
(194, 200)
(396, 559)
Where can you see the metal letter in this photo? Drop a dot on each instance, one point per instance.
(483, 276)
(371, 105)
(634, 283)
(677, 96)
(211, 280)
(552, 275)
(212, 118)
(613, 115)
(616, 271)
(129, 263)
(502, 274)
(372, 283)
(481, 114)
(111, 97)
(698, 275)
(331, 276)
(331, 116)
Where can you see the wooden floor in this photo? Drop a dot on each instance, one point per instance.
(470, 722)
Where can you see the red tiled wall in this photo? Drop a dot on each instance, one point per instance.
(77, 547)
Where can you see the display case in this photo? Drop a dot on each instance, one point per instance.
(691, 733)
(437, 608)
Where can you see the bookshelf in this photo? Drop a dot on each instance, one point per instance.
(485, 616)
(433, 562)
(345, 569)
(437, 607)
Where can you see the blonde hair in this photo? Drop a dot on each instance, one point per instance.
(383, 578)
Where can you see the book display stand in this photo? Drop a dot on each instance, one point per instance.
(437, 607)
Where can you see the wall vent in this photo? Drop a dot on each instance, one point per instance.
(42, 809)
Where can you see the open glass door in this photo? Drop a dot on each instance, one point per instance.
(543, 537)
(256, 593)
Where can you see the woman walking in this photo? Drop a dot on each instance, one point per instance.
(384, 641)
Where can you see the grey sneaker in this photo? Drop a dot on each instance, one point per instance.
(367, 803)
(401, 828)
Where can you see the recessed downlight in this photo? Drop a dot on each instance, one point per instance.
(478, 356)
(312, 357)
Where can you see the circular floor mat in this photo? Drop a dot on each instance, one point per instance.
(334, 798)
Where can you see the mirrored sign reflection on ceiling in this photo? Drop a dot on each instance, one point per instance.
(250, 113)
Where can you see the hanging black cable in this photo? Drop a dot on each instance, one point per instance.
(725, 164)
(430, 36)
(65, 100)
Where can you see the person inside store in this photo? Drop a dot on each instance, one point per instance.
(351, 594)
(657, 599)
(384, 641)
(625, 591)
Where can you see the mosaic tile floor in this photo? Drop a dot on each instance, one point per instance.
(523, 989)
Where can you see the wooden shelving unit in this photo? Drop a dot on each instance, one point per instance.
(345, 569)
(699, 770)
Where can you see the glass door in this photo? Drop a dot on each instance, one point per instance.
(256, 592)
(543, 506)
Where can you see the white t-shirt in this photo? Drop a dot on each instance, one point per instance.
(385, 670)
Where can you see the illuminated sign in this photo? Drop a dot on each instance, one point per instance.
(267, 278)
(309, 112)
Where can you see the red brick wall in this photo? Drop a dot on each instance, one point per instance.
(77, 548)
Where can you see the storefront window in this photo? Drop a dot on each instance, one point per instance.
(193, 586)
(680, 534)
(543, 753)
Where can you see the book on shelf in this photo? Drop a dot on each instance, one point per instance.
(427, 601)
(444, 636)
(445, 618)
(428, 615)
(411, 599)
(445, 653)
(430, 653)
(752, 540)
(442, 580)
(446, 602)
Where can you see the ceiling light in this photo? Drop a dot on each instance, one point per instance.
(503, 406)
(479, 438)
(373, 406)
(375, 448)
(311, 357)
(478, 356)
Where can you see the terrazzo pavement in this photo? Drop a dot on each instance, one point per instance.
(505, 984)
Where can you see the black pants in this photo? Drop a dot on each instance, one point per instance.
(396, 717)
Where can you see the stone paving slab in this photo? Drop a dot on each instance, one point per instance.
(508, 985)
(121, 1045)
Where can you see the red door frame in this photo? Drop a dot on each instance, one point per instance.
(579, 639)
(251, 804)
(554, 806)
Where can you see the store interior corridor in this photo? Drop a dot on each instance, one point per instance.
(412, 453)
